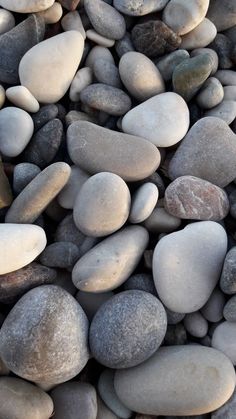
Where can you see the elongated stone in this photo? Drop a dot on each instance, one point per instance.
(26, 6)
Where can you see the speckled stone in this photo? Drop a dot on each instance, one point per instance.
(60, 255)
(23, 174)
(196, 324)
(139, 8)
(67, 231)
(213, 309)
(106, 72)
(110, 340)
(57, 349)
(228, 275)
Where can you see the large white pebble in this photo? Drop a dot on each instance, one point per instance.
(163, 119)
(20, 244)
(43, 71)
(21, 96)
(26, 6)
(187, 265)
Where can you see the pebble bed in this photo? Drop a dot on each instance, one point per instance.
(117, 209)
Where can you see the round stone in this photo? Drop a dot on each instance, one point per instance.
(213, 309)
(96, 53)
(99, 39)
(111, 342)
(211, 94)
(82, 79)
(201, 36)
(137, 8)
(143, 202)
(52, 346)
(7, 21)
(224, 339)
(67, 196)
(196, 325)
(228, 275)
(26, 6)
(21, 97)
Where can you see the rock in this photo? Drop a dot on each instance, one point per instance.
(137, 8)
(26, 6)
(206, 375)
(108, 394)
(111, 342)
(69, 4)
(45, 62)
(91, 302)
(226, 111)
(209, 140)
(153, 38)
(130, 157)
(106, 72)
(230, 309)
(2, 96)
(35, 197)
(160, 221)
(53, 14)
(211, 94)
(75, 116)
(201, 36)
(20, 245)
(223, 46)
(20, 399)
(110, 263)
(102, 205)
(143, 202)
(15, 43)
(124, 45)
(53, 328)
(175, 335)
(72, 398)
(62, 255)
(199, 248)
(226, 77)
(67, 231)
(82, 79)
(212, 53)
(228, 275)
(222, 14)
(189, 75)
(224, 339)
(104, 412)
(213, 309)
(189, 197)
(67, 196)
(5, 189)
(105, 19)
(21, 97)
(45, 144)
(142, 282)
(163, 119)
(23, 174)
(99, 39)
(196, 325)
(227, 410)
(72, 22)
(17, 283)
(183, 17)
(167, 64)
(229, 92)
(174, 318)
(45, 114)
(140, 76)
(106, 98)
(7, 21)
(96, 53)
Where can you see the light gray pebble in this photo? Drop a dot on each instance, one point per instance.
(106, 72)
(213, 309)
(143, 202)
(196, 324)
(230, 309)
(226, 111)
(160, 221)
(211, 94)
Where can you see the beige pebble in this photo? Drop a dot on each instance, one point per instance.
(26, 6)
(99, 39)
(201, 36)
(53, 14)
(72, 22)
(82, 79)
(21, 97)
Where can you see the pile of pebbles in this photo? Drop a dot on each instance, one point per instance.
(117, 209)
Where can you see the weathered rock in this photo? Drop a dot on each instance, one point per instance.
(228, 275)
(137, 8)
(224, 339)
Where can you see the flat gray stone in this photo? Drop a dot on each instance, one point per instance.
(62, 255)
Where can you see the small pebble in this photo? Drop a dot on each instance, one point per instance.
(21, 97)
(160, 221)
(230, 309)
(226, 111)
(195, 324)
(82, 79)
(72, 22)
(211, 94)
(222, 13)
(53, 14)
(213, 309)
(143, 203)
(23, 174)
(99, 39)
(224, 339)
(168, 62)
(201, 36)
(62, 255)
(106, 72)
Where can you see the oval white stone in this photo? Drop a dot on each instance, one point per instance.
(26, 6)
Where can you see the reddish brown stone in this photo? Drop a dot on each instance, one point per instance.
(69, 4)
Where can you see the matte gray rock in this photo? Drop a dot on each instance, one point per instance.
(62, 255)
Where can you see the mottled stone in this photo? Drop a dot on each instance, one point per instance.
(224, 339)
(168, 62)
(45, 114)
(222, 13)
(226, 111)
(142, 282)
(60, 255)
(196, 324)
(213, 309)
(23, 174)
(160, 221)
(139, 8)
(223, 46)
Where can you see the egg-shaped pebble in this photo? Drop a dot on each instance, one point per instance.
(213, 309)
(201, 36)
(82, 79)
(72, 22)
(211, 94)
(196, 324)
(143, 202)
(53, 14)
(21, 97)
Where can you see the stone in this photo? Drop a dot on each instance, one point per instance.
(69, 4)
(106, 98)
(130, 157)
(199, 248)
(200, 378)
(224, 340)
(36, 196)
(226, 111)
(68, 194)
(174, 318)
(62, 255)
(167, 63)
(45, 62)
(45, 114)
(124, 45)
(211, 94)
(72, 22)
(226, 77)
(189, 75)
(103, 411)
(196, 324)
(53, 14)
(20, 245)
(72, 398)
(106, 72)
(82, 79)
(75, 116)
(143, 202)
(230, 309)
(142, 282)
(110, 340)
(108, 394)
(67, 231)
(153, 38)
(2, 96)
(7, 21)
(212, 53)
(183, 17)
(17, 283)
(6, 197)
(228, 275)
(140, 76)
(21, 97)
(110, 263)
(22, 399)
(91, 302)
(160, 221)
(223, 46)
(189, 197)
(175, 335)
(209, 140)
(213, 309)
(96, 53)
(45, 144)
(222, 13)
(23, 174)
(15, 43)
(163, 119)
(137, 8)
(26, 6)
(229, 92)
(95, 37)
(201, 36)
(54, 328)
(227, 410)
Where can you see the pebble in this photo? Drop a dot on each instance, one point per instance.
(45, 114)
(230, 309)
(139, 8)
(102, 205)
(69, 4)
(189, 75)
(105, 19)
(7, 21)
(91, 302)
(6, 197)
(23, 174)
(45, 62)
(73, 398)
(36, 196)
(201, 36)
(110, 340)
(160, 221)
(153, 38)
(142, 282)
(212, 53)
(110, 263)
(124, 45)
(20, 245)
(143, 202)
(106, 98)
(21, 97)
(67, 231)
(199, 248)
(222, 13)
(99, 39)
(167, 64)
(53, 14)
(107, 73)
(227, 410)
(196, 324)
(174, 318)
(226, 111)
(188, 380)
(103, 411)
(230, 92)
(68, 194)
(228, 275)
(108, 394)
(163, 119)
(17, 283)
(53, 328)
(96, 53)
(223, 46)
(209, 140)
(72, 22)
(226, 77)
(82, 79)
(20, 399)
(140, 76)
(192, 198)
(15, 43)
(62, 255)
(224, 339)
(211, 94)
(182, 16)
(75, 116)
(130, 157)
(213, 309)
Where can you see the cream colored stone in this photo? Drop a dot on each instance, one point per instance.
(99, 39)
(201, 36)
(26, 6)
(53, 14)
(72, 22)
(21, 97)
(82, 79)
